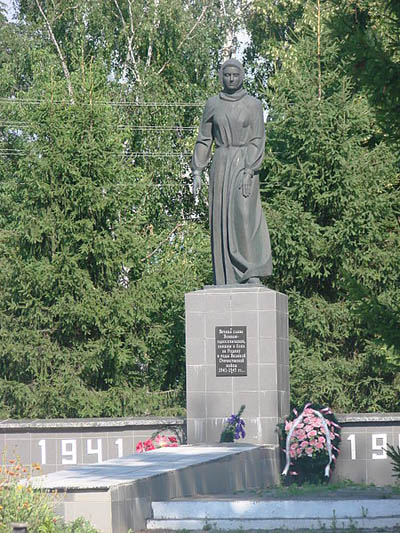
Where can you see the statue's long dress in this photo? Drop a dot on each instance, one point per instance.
(239, 235)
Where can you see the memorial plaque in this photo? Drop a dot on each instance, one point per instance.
(231, 350)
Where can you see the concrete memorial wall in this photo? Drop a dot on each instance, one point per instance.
(57, 444)
(363, 457)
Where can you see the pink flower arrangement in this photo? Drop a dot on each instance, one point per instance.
(160, 441)
(310, 435)
(310, 439)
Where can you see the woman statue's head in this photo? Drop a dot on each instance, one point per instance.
(231, 75)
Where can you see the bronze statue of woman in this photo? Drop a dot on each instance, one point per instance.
(234, 122)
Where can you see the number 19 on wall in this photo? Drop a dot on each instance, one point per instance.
(378, 446)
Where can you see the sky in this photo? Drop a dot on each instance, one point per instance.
(9, 7)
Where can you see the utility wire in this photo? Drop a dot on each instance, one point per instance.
(144, 128)
(15, 123)
(182, 185)
(159, 128)
(14, 151)
(123, 152)
(28, 101)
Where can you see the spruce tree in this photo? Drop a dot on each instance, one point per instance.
(99, 234)
(331, 205)
(92, 291)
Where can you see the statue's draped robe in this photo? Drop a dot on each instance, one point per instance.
(239, 234)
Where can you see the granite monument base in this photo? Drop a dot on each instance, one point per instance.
(237, 353)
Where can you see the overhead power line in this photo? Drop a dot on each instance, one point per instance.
(14, 151)
(28, 101)
(180, 186)
(14, 123)
(152, 127)
(160, 128)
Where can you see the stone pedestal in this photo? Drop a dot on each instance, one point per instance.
(258, 318)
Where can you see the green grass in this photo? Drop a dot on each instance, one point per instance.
(308, 490)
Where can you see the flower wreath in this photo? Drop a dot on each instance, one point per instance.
(310, 439)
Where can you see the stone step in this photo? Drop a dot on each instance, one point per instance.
(282, 514)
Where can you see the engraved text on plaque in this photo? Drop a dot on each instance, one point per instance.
(231, 350)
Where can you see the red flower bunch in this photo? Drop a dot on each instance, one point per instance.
(161, 441)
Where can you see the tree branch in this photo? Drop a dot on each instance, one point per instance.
(130, 54)
(167, 238)
(319, 48)
(154, 27)
(59, 51)
(187, 36)
(120, 13)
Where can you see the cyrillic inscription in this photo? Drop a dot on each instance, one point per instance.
(231, 350)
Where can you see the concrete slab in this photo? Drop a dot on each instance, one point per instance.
(255, 509)
(124, 488)
(291, 515)
(136, 466)
(279, 524)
